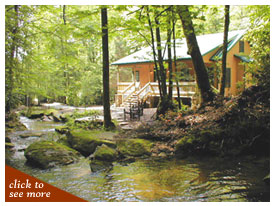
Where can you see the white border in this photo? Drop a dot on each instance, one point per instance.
(119, 2)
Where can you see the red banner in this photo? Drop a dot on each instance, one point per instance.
(21, 187)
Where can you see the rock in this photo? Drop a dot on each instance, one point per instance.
(9, 145)
(47, 154)
(85, 141)
(62, 129)
(186, 145)
(97, 165)
(36, 114)
(8, 139)
(12, 123)
(105, 153)
(56, 117)
(134, 147)
(31, 134)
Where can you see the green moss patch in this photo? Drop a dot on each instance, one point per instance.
(47, 154)
(134, 147)
(105, 153)
(86, 141)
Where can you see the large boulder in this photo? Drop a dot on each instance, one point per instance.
(47, 154)
(102, 158)
(105, 153)
(86, 141)
(134, 147)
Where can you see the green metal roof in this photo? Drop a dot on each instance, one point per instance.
(243, 58)
(207, 43)
(231, 43)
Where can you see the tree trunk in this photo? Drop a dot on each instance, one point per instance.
(154, 51)
(207, 94)
(224, 52)
(160, 60)
(11, 64)
(170, 62)
(105, 50)
(165, 104)
(175, 64)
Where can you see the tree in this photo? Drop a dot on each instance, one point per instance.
(105, 51)
(224, 51)
(11, 58)
(259, 37)
(207, 94)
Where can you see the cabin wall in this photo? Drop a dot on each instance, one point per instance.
(237, 70)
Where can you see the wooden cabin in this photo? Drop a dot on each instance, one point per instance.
(142, 85)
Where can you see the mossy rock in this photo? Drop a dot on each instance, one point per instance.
(98, 165)
(134, 147)
(9, 145)
(105, 153)
(186, 145)
(86, 141)
(47, 154)
(31, 134)
(35, 114)
(62, 129)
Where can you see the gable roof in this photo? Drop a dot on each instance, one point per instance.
(207, 43)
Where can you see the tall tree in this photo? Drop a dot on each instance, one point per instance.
(224, 51)
(169, 50)
(11, 58)
(207, 94)
(105, 51)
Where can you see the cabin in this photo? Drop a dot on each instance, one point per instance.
(136, 77)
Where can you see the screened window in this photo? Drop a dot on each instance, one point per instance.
(137, 76)
(228, 78)
(241, 46)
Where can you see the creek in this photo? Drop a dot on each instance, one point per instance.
(191, 179)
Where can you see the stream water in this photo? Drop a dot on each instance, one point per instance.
(193, 179)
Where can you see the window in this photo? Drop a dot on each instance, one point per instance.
(228, 78)
(137, 76)
(241, 46)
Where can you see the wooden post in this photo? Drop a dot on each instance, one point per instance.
(117, 77)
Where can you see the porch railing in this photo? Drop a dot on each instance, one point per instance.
(187, 89)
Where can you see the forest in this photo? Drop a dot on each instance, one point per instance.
(59, 71)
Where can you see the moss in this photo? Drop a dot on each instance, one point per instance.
(46, 154)
(185, 144)
(9, 145)
(134, 147)
(86, 141)
(34, 112)
(62, 129)
(105, 153)
(63, 140)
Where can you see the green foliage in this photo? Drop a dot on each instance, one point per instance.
(259, 37)
(53, 61)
